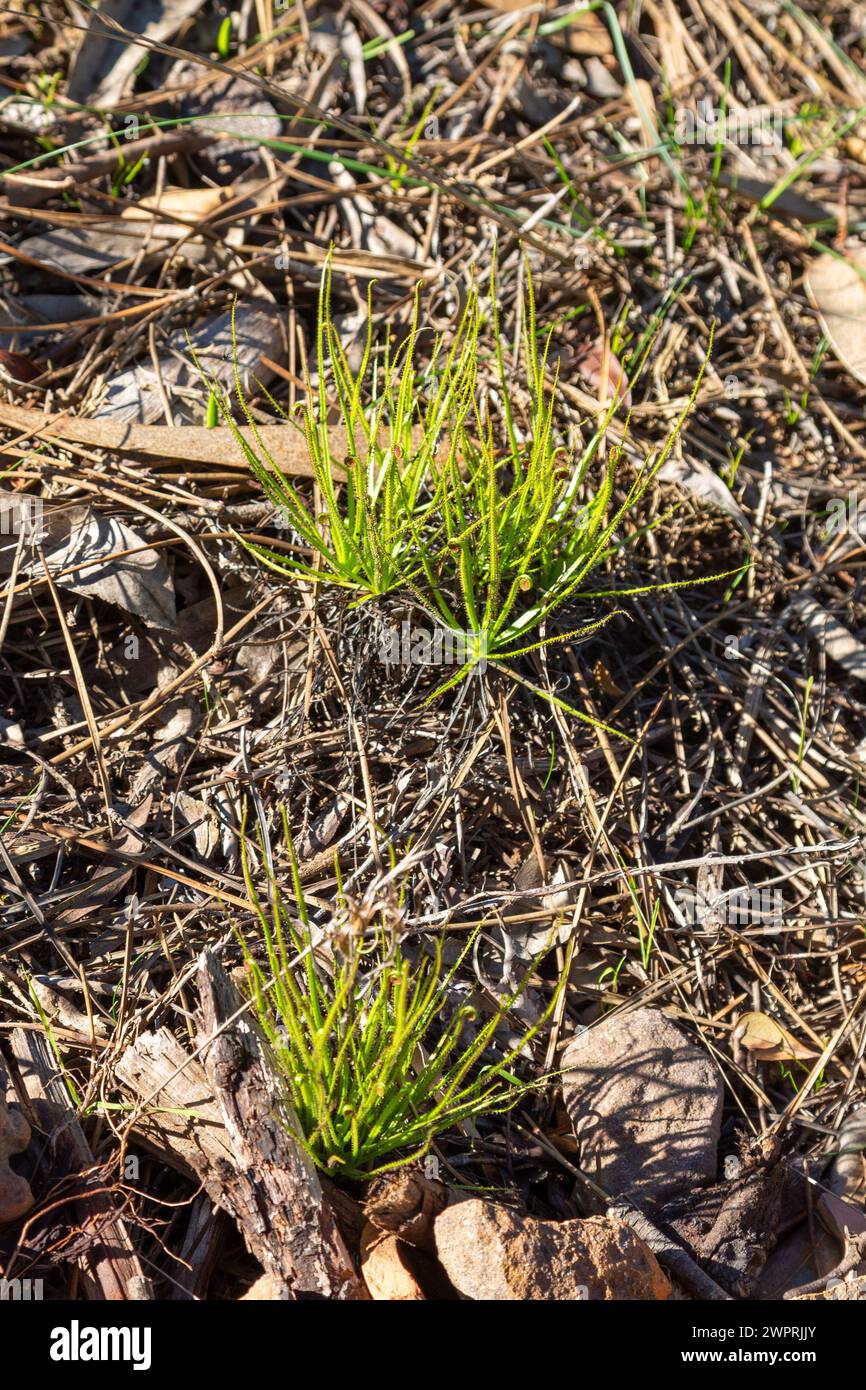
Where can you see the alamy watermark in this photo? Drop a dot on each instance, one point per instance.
(846, 513)
(21, 514)
(21, 1290)
(740, 907)
(438, 646)
(708, 125)
(77, 1343)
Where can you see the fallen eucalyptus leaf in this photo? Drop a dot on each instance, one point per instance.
(589, 362)
(82, 250)
(138, 582)
(191, 203)
(768, 1040)
(585, 36)
(837, 288)
(788, 203)
(132, 394)
(201, 818)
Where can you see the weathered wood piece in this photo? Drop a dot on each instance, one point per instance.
(169, 1082)
(113, 1263)
(179, 1121)
(200, 1250)
(269, 1185)
(182, 443)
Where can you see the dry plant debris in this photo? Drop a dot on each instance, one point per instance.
(688, 852)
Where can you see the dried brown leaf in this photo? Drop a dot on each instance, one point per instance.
(768, 1040)
(837, 288)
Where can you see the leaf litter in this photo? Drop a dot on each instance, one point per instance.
(166, 700)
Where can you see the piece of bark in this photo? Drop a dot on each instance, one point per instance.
(349, 1215)
(112, 1260)
(181, 443)
(270, 1185)
(199, 1251)
(406, 1203)
(158, 1070)
(171, 1083)
(217, 448)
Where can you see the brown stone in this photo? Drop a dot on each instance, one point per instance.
(490, 1253)
(386, 1268)
(646, 1105)
(15, 1195)
(266, 1289)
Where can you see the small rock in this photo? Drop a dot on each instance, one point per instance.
(266, 1289)
(492, 1253)
(385, 1268)
(11, 733)
(599, 82)
(848, 1175)
(15, 1195)
(646, 1105)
